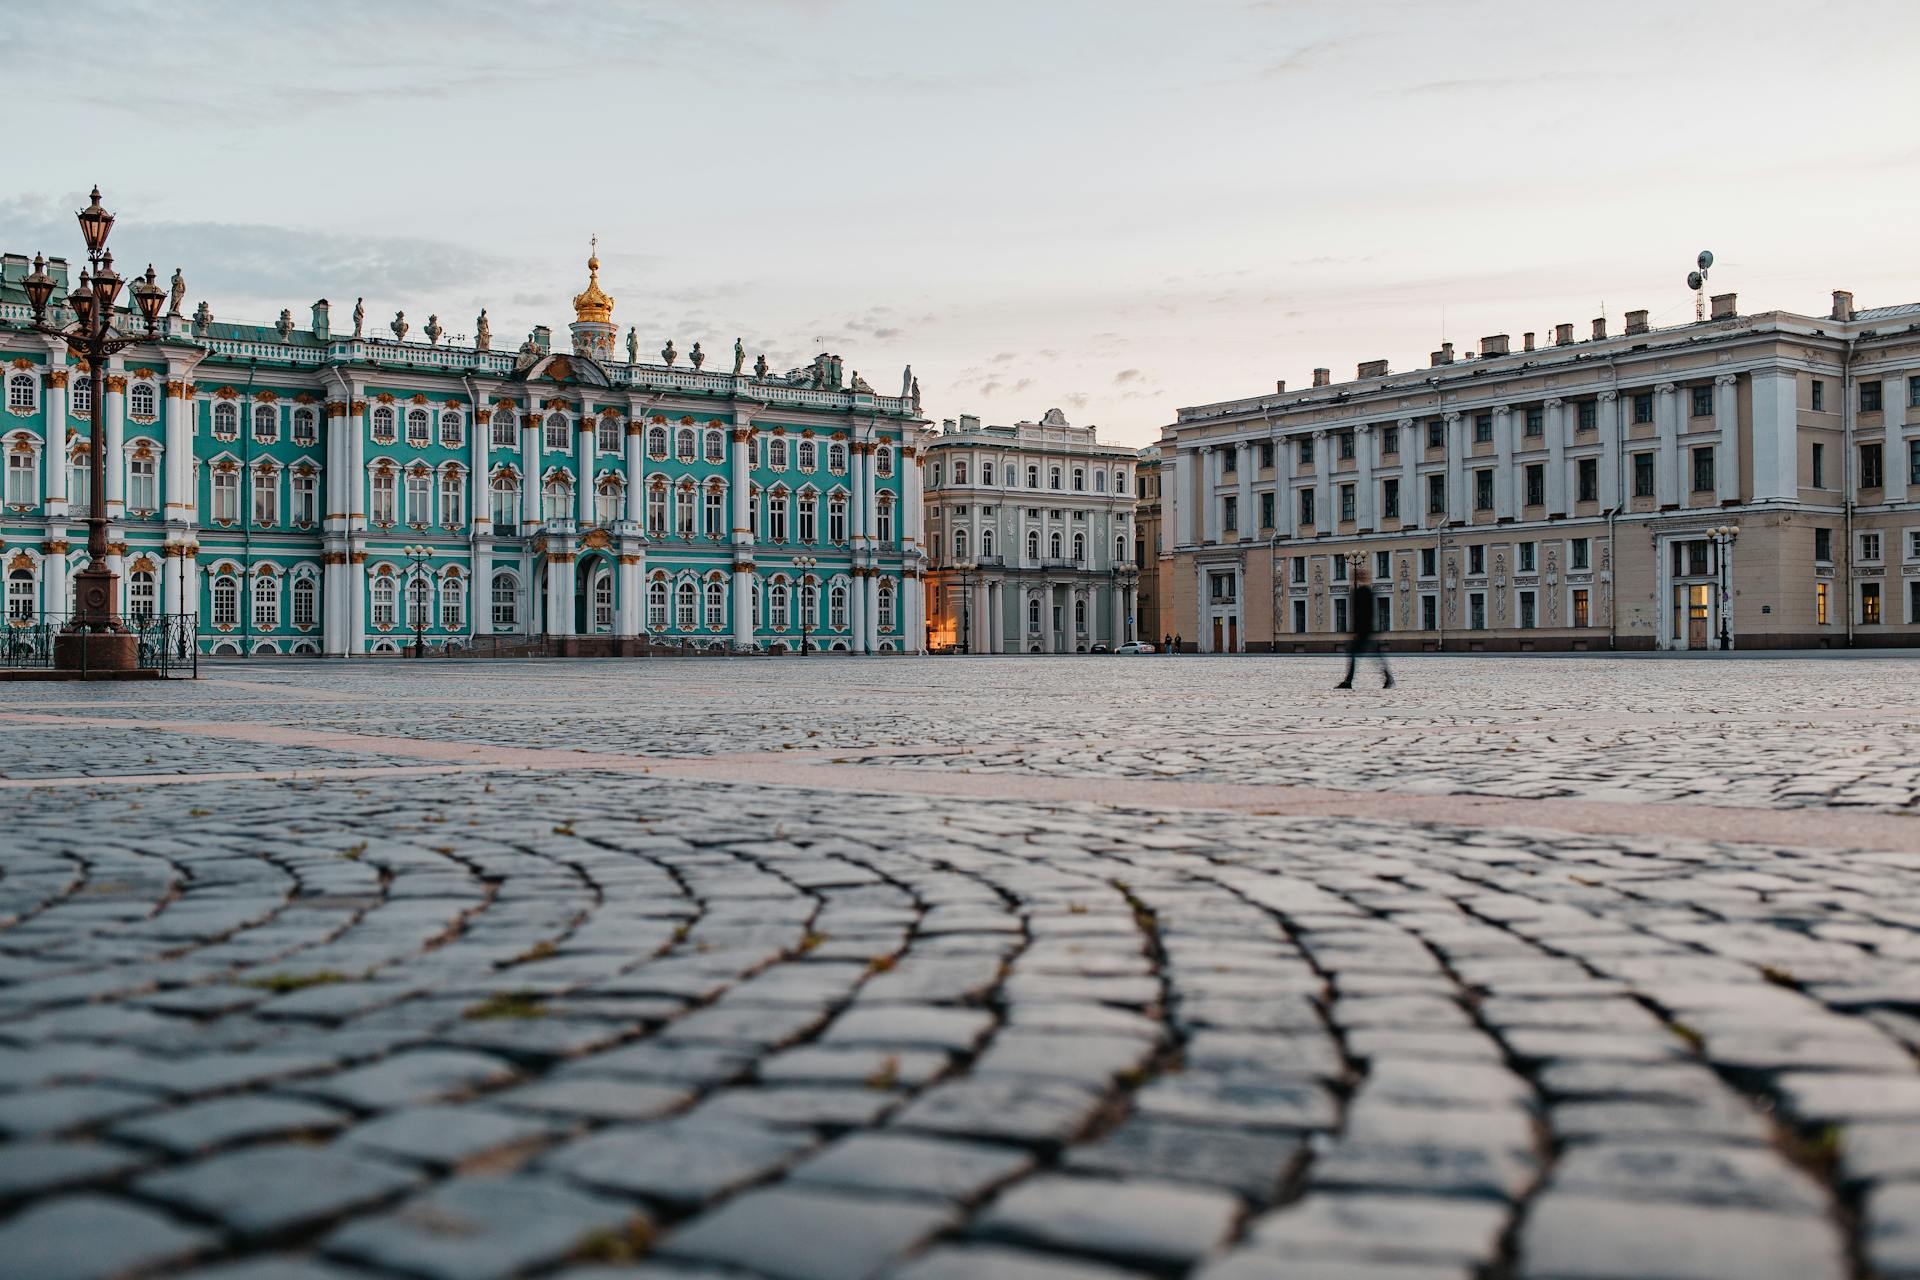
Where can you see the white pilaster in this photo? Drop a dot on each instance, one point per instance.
(1726, 418)
(1557, 431)
(1776, 418)
(114, 424)
(586, 442)
(1249, 522)
(54, 391)
(1363, 447)
(1669, 486)
(1459, 501)
(1181, 496)
(1413, 503)
(1893, 409)
(1504, 503)
(1608, 411)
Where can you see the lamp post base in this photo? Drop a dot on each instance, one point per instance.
(102, 651)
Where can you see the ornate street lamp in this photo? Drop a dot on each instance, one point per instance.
(95, 636)
(418, 555)
(802, 570)
(1722, 538)
(965, 567)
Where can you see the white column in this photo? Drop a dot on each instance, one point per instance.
(1180, 495)
(1413, 503)
(559, 595)
(177, 501)
(1202, 623)
(1776, 418)
(1459, 501)
(913, 511)
(869, 586)
(1116, 615)
(170, 592)
(1893, 410)
(1669, 487)
(1556, 414)
(914, 620)
(636, 499)
(53, 576)
(1283, 521)
(53, 392)
(114, 424)
(1249, 521)
(1209, 495)
(1503, 495)
(1608, 412)
(1726, 418)
(585, 441)
(357, 602)
(630, 595)
(530, 499)
(997, 612)
(479, 484)
(190, 588)
(1324, 514)
(1363, 447)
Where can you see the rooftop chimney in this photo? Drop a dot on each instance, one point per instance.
(1725, 306)
(1563, 335)
(1280, 386)
(1526, 341)
(321, 327)
(1321, 377)
(1600, 327)
(1636, 322)
(969, 422)
(1842, 305)
(1494, 346)
(1444, 355)
(1373, 368)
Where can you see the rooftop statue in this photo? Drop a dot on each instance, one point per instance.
(482, 332)
(739, 356)
(177, 293)
(906, 382)
(633, 345)
(359, 317)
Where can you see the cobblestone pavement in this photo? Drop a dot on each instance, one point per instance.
(1035, 969)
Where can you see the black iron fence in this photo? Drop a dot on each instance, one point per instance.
(165, 642)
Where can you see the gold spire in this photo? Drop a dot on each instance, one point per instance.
(592, 305)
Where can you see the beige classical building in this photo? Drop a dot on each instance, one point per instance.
(1569, 493)
(1148, 546)
(1030, 539)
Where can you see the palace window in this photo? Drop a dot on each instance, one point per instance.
(808, 511)
(804, 456)
(607, 501)
(305, 602)
(1582, 609)
(656, 605)
(384, 426)
(959, 545)
(837, 606)
(140, 401)
(883, 524)
(1389, 442)
(685, 448)
(266, 602)
(1346, 502)
(1033, 544)
(657, 442)
(556, 433)
(1477, 559)
(226, 496)
(452, 430)
(606, 435)
(506, 609)
(884, 614)
(1483, 490)
(453, 492)
(226, 602)
(713, 512)
(1536, 482)
(1643, 475)
(837, 460)
(777, 605)
(503, 429)
(80, 397)
(1483, 428)
(1099, 482)
(305, 431)
(686, 606)
(226, 421)
(1586, 415)
(419, 429)
(1872, 464)
(382, 509)
(1389, 499)
(266, 496)
(1580, 554)
(657, 511)
(453, 605)
(1702, 402)
(80, 483)
(602, 601)
(383, 602)
(1033, 615)
(20, 594)
(506, 502)
(1643, 407)
(420, 497)
(716, 447)
(1080, 479)
(143, 485)
(22, 392)
(22, 480)
(777, 453)
(883, 460)
(419, 602)
(1870, 403)
(1079, 548)
(1589, 480)
(1527, 551)
(837, 518)
(1870, 591)
(1053, 477)
(683, 511)
(1346, 447)
(1033, 477)
(1053, 545)
(1703, 468)
(143, 593)
(986, 541)
(716, 606)
(559, 498)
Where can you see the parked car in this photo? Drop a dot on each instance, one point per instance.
(1135, 646)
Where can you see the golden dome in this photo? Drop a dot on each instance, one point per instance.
(592, 305)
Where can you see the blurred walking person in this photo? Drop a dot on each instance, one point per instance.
(1360, 618)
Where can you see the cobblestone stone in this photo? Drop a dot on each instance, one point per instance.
(1186, 971)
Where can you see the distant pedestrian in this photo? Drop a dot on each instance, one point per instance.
(1176, 643)
(1360, 612)
(1166, 644)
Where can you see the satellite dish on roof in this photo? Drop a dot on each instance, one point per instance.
(1694, 280)
(1706, 259)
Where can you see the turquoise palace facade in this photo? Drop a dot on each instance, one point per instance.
(281, 483)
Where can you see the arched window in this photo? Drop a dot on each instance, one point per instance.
(419, 429)
(305, 427)
(777, 453)
(506, 501)
(1033, 544)
(419, 602)
(777, 604)
(602, 600)
(383, 424)
(657, 442)
(383, 602)
(986, 474)
(305, 602)
(226, 602)
(80, 397)
(686, 605)
(1033, 477)
(804, 452)
(143, 593)
(504, 427)
(1079, 547)
(1120, 480)
(1099, 482)
(716, 606)
(808, 511)
(20, 595)
(80, 483)
(683, 510)
(883, 522)
(383, 509)
(777, 516)
(1053, 545)
(452, 430)
(607, 500)
(226, 421)
(837, 518)
(453, 493)
(1079, 479)
(266, 495)
(656, 605)
(883, 460)
(140, 400)
(837, 606)
(884, 620)
(685, 448)
(1053, 477)
(556, 432)
(23, 479)
(1079, 615)
(1033, 614)
(266, 602)
(453, 605)
(836, 457)
(506, 602)
(22, 392)
(986, 542)
(713, 511)
(716, 446)
(657, 511)
(606, 435)
(1120, 549)
(559, 496)
(959, 545)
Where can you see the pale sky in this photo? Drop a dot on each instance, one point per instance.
(1116, 207)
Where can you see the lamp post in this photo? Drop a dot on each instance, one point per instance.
(1722, 538)
(965, 568)
(802, 572)
(95, 635)
(418, 556)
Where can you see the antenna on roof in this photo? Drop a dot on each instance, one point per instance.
(1697, 281)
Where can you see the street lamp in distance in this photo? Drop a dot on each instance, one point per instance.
(418, 555)
(965, 567)
(1722, 537)
(803, 574)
